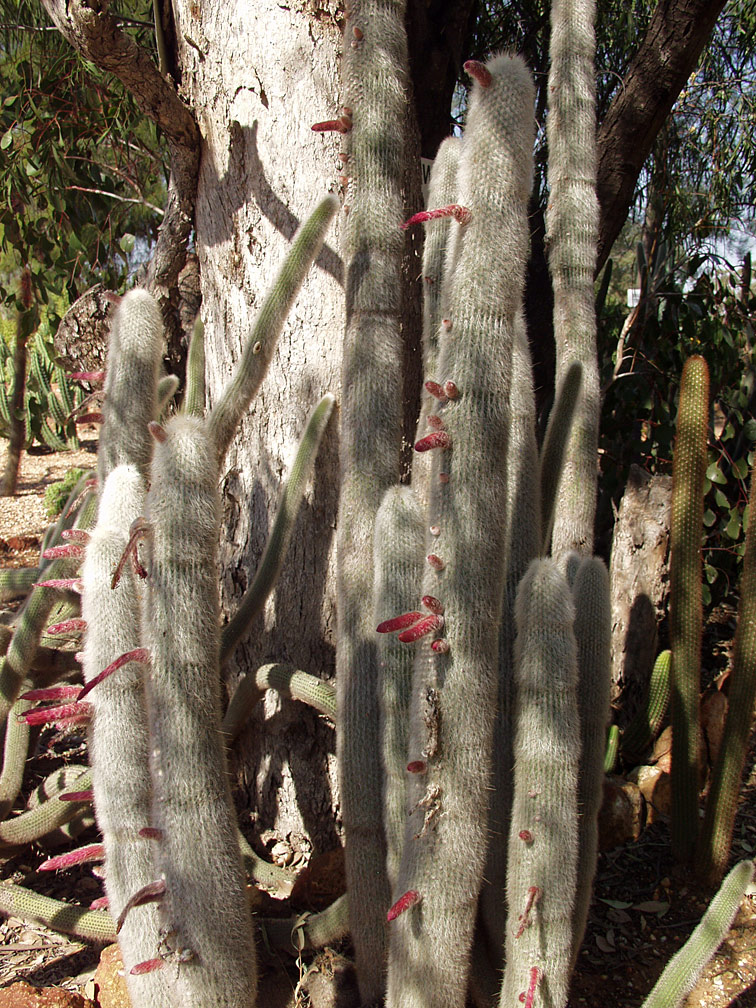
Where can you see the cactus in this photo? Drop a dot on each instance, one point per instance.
(375, 82)
(644, 727)
(685, 967)
(685, 607)
(572, 232)
(543, 837)
(721, 802)
(445, 842)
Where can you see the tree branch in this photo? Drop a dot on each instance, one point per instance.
(93, 32)
(678, 33)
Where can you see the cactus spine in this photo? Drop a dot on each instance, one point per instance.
(685, 606)
(375, 82)
(445, 842)
(572, 230)
(543, 836)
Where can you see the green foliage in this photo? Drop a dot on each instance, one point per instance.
(56, 494)
(48, 397)
(697, 306)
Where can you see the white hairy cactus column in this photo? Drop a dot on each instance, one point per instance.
(399, 558)
(572, 230)
(118, 744)
(543, 834)
(455, 689)
(204, 913)
(375, 81)
(135, 350)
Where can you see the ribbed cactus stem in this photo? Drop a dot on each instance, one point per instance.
(375, 77)
(258, 350)
(445, 843)
(685, 967)
(685, 605)
(543, 835)
(194, 396)
(645, 726)
(135, 350)
(49, 815)
(399, 559)
(204, 912)
(284, 679)
(572, 230)
(722, 800)
(593, 631)
(274, 554)
(553, 451)
(118, 742)
(16, 901)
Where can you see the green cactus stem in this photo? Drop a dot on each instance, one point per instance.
(645, 726)
(274, 554)
(18, 582)
(286, 680)
(543, 835)
(375, 76)
(399, 557)
(685, 605)
(555, 441)
(258, 350)
(572, 230)
(96, 925)
(15, 752)
(135, 351)
(686, 966)
(49, 815)
(33, 620)
(722, 800)
(204, 912)
(593, 633)
(69, 514)
(612, 748)
(166, 390)
(308, 931)
(194, 396)
(456, 684)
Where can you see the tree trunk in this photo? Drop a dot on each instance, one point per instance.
(265, 74)
(17, 433)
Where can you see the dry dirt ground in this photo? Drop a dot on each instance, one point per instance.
(644, 906)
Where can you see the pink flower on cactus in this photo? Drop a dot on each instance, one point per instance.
(431, 603)
(92, 852)
(461, 214)
(148, 966)
(399, 622)
(438, 439)
(65, 714)
(528, 997)
(409, 899)
(479, 72)
(135, 655)
(427, 625)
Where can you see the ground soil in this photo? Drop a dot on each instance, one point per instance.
(645, 906)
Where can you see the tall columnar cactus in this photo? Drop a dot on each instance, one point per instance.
(118, 738)
(456, 678)
(685, 606)
(543, 836)
(131, 385)
(593, 633)
(204, 910)
(572, 230)
(375, 82)
(721, 802)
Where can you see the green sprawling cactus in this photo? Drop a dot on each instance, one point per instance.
(644, 727)
(375, 83)
(721, 802)
(685, 967)
(685, 607)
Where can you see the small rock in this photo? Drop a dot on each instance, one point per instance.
(331, 982)
(713, 714)
(23, 995)
(655, 785)
(110, 981)
(622, 814)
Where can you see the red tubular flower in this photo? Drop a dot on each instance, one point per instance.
(438, 439)
(431, 603)
(62, 584)
(529, 998)
(417, 766)
(461, 214)
(68, 550)
(407, 619)
(480, 72)
(77, 796)
(136, 655)
(90, 376)
(435, 561)
(65, 714)
(534, 894)
(409, 899)
(436, 390)
(51, 693)
(67, 626)
(101, 903)
(440, 645)
(90, 418)
(450, 390)
(151, 833)
(427, 625)
(148, 966)
(153, 892)
(341, 125)
(92, 852)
